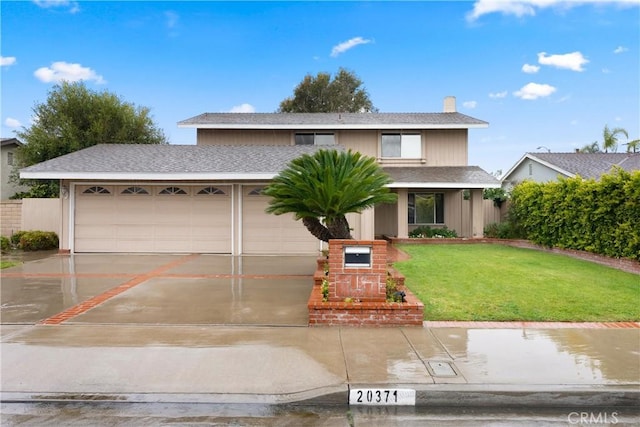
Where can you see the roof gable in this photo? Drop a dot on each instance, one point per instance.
(586, 165)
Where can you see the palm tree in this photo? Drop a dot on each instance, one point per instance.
(610, 138)
(591, 148)
(324, 187)
(633, 146)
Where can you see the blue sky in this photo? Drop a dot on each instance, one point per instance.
(542, 72)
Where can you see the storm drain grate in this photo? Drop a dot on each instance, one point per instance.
(441, 369)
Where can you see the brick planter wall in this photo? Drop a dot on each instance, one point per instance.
(364, 310)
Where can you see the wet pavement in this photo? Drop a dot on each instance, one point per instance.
(219, 330)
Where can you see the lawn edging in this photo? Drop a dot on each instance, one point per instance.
(623, 264)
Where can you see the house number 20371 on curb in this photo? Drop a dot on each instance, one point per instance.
(382, 397)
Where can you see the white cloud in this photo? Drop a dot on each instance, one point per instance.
(521, 8)
(172, 18)
(620, 49)
(243, 108)
(470, 104)
(345, 46)
(12, 123)
(570, 61)
(530, 69)
(73, 6)
(64, 71)
(5, 61)
(498, 95)
(532, 91)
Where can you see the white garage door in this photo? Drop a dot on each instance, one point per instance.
(264, 233)
(143, 218)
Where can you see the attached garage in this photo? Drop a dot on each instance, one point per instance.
(263, 233)
(122, 198)
(153, 218)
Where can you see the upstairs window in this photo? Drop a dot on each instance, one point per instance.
(312, 138)
(426, 208)
(10, 158)
(402, 145)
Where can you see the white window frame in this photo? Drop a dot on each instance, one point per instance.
(319, 138)
(410, 145)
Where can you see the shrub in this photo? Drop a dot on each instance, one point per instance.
(424, 231)
(38, 241)
(15, 237)
(588, 215)
(503, 230)
(5, 243)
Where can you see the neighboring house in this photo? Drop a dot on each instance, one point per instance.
(544, 167)
(8, 189)
(208, 197)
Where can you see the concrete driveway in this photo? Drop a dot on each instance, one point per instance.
(158, 289)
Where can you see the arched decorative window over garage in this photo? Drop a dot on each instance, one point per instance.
(172, 191)
(134, 190)
(96, 189)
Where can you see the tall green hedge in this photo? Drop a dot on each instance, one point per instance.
(601, 216)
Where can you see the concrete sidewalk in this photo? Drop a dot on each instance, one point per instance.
(221, 329)
(277, 365)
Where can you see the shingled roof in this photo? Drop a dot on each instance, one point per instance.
(217, 162)
(441, 177)
(176, 162)
(587, 165)
(318, 121)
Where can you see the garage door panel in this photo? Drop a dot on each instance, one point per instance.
(90, 231)
(264, 233)
(153, 222)
(133, 231)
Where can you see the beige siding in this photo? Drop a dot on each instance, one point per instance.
(455, 217)
(264, 233)
(244, 137)
(446, 147)
(386, 219)
(363, 141)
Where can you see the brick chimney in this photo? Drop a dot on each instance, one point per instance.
(449, 104)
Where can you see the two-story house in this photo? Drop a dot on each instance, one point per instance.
(7, 159)
(208, 197)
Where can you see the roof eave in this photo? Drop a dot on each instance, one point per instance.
(447, 185)
(128, 176)
(329, 126)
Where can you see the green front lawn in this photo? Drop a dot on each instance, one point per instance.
(502, 283)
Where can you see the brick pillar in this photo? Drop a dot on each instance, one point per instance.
(363, 283)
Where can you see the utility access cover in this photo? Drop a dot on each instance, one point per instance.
(441, 369)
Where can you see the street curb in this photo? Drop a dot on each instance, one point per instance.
(429, 395)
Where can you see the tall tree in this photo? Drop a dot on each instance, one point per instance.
(610, 138)
(74, 117)
(320, 189)
(321, 94)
